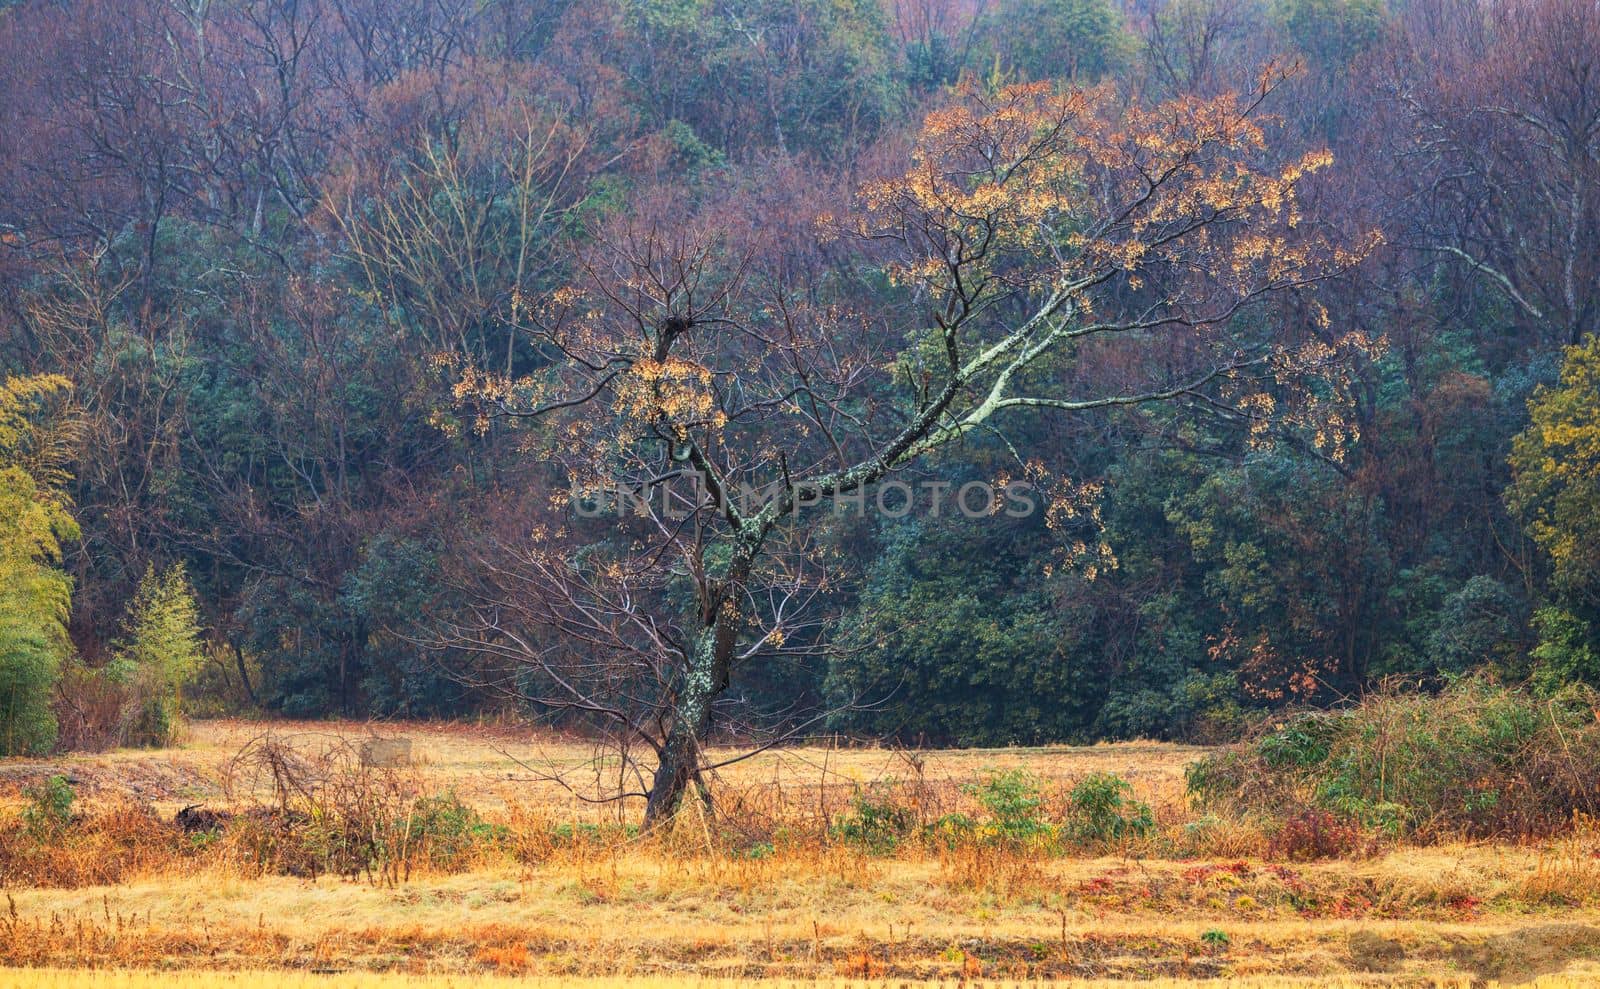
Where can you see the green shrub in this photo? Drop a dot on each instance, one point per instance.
(1101, 808)
(1566, 651)
(48, 810)
(159, 653)
(1302, 742)
(1015, 807)
(572, 835)
(447, 832)
(876, 823)
(1477, 758)
(950, 831)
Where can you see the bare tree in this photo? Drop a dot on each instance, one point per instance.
(1036, 242)
(1196, 46)
(1501, 158)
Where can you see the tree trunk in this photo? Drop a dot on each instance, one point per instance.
(244, 672)
(704, 678)
(679, 767)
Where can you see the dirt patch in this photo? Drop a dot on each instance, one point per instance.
(1371, 952)
(153, 779)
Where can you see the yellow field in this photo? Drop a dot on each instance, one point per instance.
(91, 979)
(491, 766)
(675, 911)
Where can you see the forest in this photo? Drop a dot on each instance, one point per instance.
(325, 322)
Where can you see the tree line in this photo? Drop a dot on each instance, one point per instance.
(320, 314)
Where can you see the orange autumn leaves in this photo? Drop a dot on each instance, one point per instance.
(1178, 213)
(672, 390)
(1033, 185)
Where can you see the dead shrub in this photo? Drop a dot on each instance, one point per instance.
(998, 870)
(1314, 834)
(1568, 872)
(331, 811)
(118, 843)
(89, 709)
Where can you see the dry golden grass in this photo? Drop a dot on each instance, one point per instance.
(494, 767)
(687, 908)
(635, 912)
(90, 979)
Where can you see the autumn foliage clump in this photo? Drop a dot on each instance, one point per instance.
(1315, 834)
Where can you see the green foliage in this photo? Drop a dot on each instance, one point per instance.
(690, 154)
(950, 831)
(1478, 626)
(1567, 652)
(1189, 703)
(48, 810)
(348, 648)
(1477, 758)
(815, 76)
(158, 655)
(876, 822)
(1164, 679)
(396, 583)
(1060, 39)
(1556, 466)
(450, 831)
(1332, 32)
(582, 834)
(1101, 808)
(32, 648)
(932, 62)
(1556, 492)
(1296, 559)
(35, 595)
(958, 637)
(1303, 741)
(1015, 806)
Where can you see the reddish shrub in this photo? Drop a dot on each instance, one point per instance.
(1314, 834)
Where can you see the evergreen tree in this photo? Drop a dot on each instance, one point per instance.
(160, 653)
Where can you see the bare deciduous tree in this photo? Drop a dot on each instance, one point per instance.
(1033, 236)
